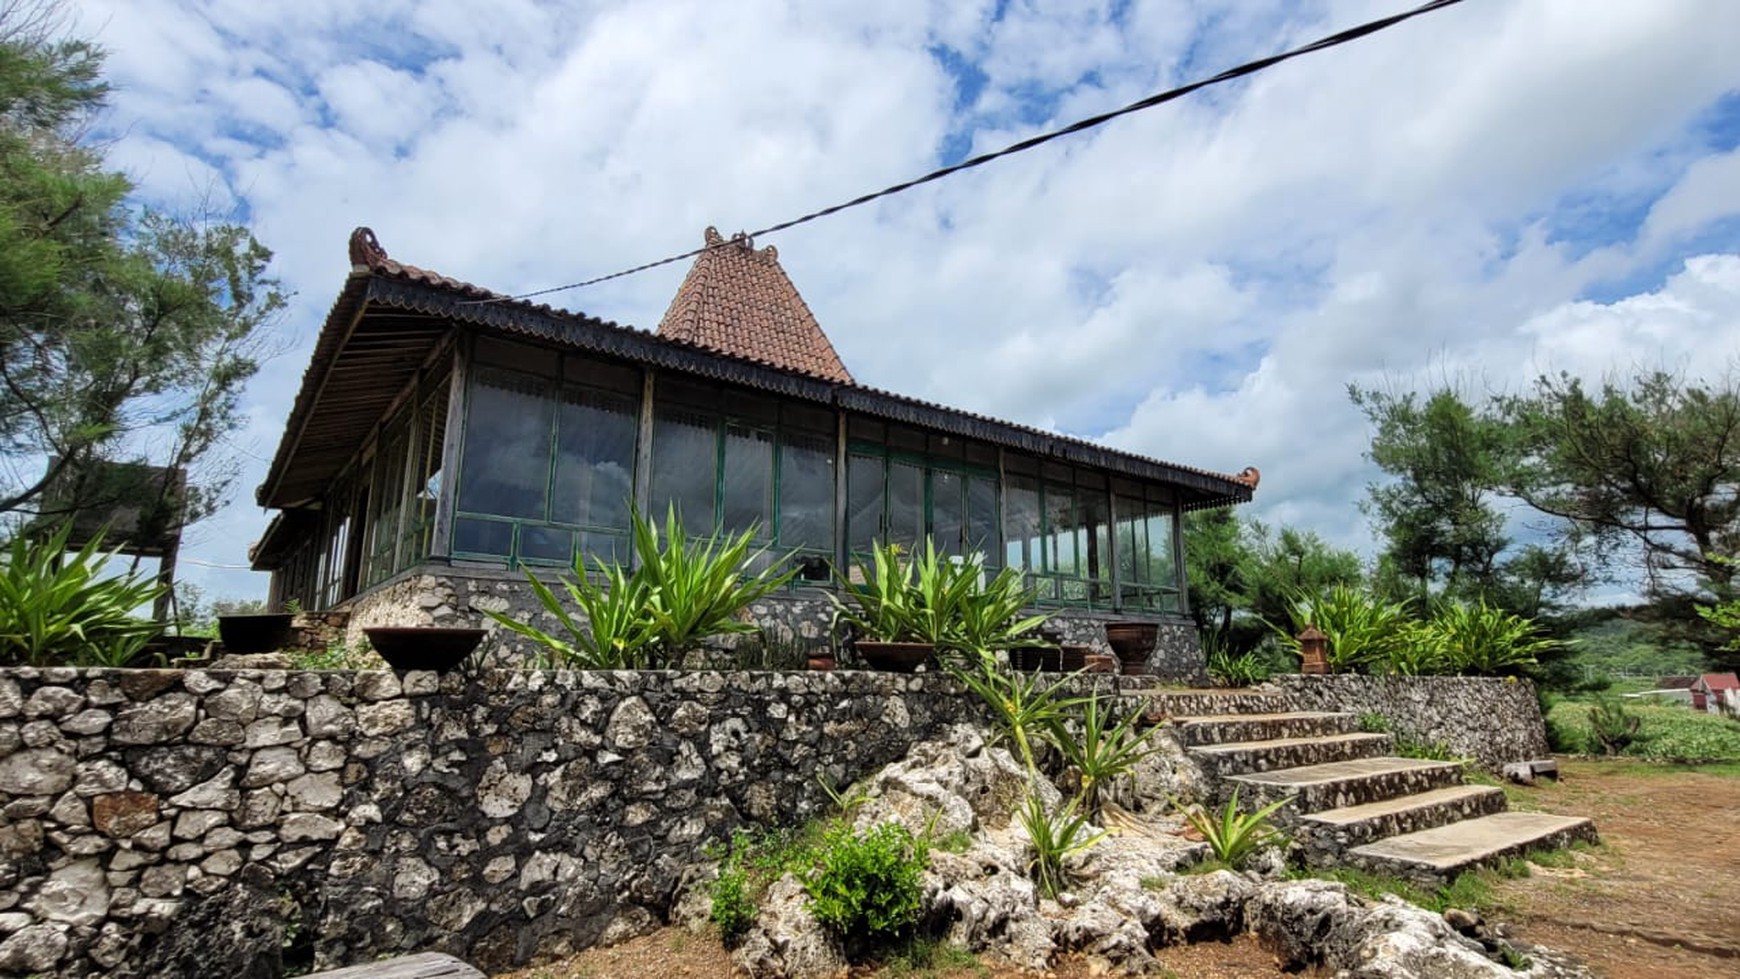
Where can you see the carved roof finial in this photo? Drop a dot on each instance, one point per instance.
(365, 248)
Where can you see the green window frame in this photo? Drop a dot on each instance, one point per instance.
(895, 495)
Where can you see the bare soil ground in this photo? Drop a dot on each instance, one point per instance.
(1658, 899)
(673, 953)
(1655, 901)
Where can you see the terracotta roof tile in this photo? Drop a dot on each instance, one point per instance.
(737, 300)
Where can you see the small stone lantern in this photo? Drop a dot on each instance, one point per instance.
(1313, 650)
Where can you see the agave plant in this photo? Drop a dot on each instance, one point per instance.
(934, 598)
(1232, 835)
(1054, 836)
(617, 633)
(1025, 708)
(1099, 745)
(696, 589)
(60, 607)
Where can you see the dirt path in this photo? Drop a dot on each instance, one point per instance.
(1658, 901)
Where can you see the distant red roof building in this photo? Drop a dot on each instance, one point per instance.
(1711, 682)
(737, 300)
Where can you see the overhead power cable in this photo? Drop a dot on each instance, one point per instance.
(1159, 98)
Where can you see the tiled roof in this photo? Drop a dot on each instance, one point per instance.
(1721, 681)
(737, 300)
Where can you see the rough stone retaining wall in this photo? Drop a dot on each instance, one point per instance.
(1492, 719)
(795, 622)
(200, 823)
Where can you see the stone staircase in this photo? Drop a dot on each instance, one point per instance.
(1354, 804)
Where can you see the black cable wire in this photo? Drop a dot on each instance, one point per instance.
(1160, 98)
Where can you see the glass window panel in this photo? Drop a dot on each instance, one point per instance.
(982, 518)
(1132, 541)
(547, 544)
(905, 503)
(474, 536)
(506, 467)
(609, 548)
(1162, 571)
(685, 467)
(1021, 538)
(806, 492)
(594, 483)
(864, 501)
(1062, 556)
(1091, 537)
(948, 511)
(748, 474)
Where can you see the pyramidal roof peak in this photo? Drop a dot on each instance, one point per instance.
(737, 300)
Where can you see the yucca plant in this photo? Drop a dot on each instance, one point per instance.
(1025, 708)
(1100, 745)
(61, 607)
(1613, 725)
(934, 598)
(1234, 836)
(1485, 640)
(617, 634)
(884, 605)
(1054, 837)
(697, 588)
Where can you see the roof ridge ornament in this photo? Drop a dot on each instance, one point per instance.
(365, 249)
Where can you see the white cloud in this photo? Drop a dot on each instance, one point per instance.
(1199, 281)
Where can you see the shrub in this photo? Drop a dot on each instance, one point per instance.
(1242, 670)
(733, 911)
(866, 887)
(61, 607)
(1484, 640)
(1612, 725)
(1234, 837)
(933, 598)
(1362, 630)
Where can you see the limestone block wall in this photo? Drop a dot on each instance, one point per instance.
(794, 622)
(1492, 719)
(199, 823)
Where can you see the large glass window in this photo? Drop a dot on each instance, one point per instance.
(1059, 529)
(1147, 562)
(547, 464)
(902, 485)
(732, 460)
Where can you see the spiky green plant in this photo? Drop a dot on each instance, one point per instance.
(1100, 745)
(1054, 837)
(933, 598)
(1613, 725)
(1484, 640)
(617, 634)
(1025, 707)
(59, 606)
(1361, 629)
(1235, 836)
(697, 588)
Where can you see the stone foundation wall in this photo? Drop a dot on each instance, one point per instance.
(1492, 719)
(794, 623)
(201, 823)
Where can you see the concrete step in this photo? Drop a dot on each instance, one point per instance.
(1344, 783)
(1241, 757)
(1226, 728)
(1169, 702)
(1438, 854)
(1324, 836)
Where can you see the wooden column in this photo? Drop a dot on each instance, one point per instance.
(441, 541)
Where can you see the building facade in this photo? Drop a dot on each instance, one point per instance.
(446, 437)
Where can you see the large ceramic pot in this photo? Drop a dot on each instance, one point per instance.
(1133, 642)
(895, 657)
(246, 635)
(423, 647)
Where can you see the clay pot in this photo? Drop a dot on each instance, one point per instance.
(822, 662)
(895, 657)
(423, 647)
(1133, 642)
(245, 635)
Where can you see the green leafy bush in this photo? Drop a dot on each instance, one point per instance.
(1483, 640)
(1362, 630)
(866, 887)
(1025, 707)
(1233, 836)
(733, 911)
(1054, 837)
(61, 607)
(1243, 670)
(1612, 725)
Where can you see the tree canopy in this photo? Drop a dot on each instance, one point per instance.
(126, 333)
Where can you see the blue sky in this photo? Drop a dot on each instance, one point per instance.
(1494, 191)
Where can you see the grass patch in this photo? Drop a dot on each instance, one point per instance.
(1667, 733)
(1207, 866)
(1472, 891)
(929, 958)
(954, 841)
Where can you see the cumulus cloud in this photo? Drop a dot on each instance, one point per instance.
(1198, 282)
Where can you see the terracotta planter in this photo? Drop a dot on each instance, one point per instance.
(895, 657)
(246, 635)
(1133, 642)
(821, 663)
(423, 647)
